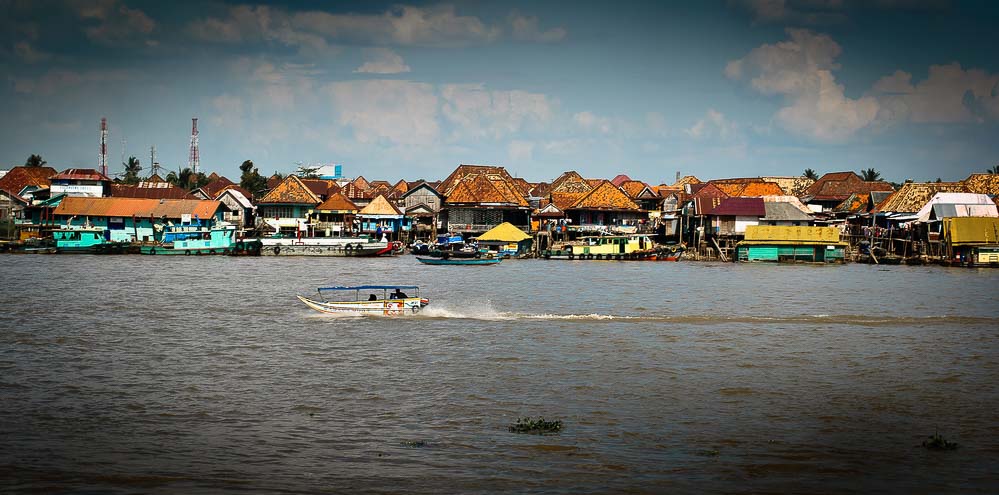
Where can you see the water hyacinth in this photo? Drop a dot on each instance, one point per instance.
(539, 426)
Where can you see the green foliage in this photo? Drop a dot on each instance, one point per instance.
(306, 172)
(132, 169)
(251, 180)
(938, 442)
(993, 170)
(35, 161)
(187, 179)
(539, 426)
(809, 173)
(870, 175)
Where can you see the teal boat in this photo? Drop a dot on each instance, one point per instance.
(194, 239)
(85, 240)
(459, 261)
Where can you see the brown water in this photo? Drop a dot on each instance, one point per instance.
(165, 375)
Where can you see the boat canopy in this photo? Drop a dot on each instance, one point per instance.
(370, 287)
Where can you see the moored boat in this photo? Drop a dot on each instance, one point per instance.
(458, 261)
(193, 239)
(606, 247)
(378, 301)
(327, 246)
(86, 240)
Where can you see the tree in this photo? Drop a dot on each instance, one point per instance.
(35, 161)
(251, 180)
(810, 174)
(870, 175)
(132, 169)
(307, 172)
(993, 170)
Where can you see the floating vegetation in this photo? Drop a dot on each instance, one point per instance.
(415, 444)
(938, 442)
(539, 426)
(709, 453)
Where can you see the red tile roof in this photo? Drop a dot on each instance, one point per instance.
(620, 179)
(321, 187)
(837, 186)
(80, 174)
(150, 190)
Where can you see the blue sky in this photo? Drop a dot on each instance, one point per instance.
(411, 90)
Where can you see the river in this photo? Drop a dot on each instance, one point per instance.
(129, 374)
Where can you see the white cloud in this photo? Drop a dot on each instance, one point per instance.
(520, 150)
(382, 61)
(477, 112)
(712, 125)
(800, 69)
(391, 112)
(403, 25)
(591, 122)
(949, 94)
(526, 28)
(117, 22)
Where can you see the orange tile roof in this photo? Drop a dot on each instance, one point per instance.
(982, 184)
(570, 182)
(138, 207)
(464, 172)
(605, 197)
(20, 177)
(756, 189)
(80, 174)
(856, 203)
(291, 191)
(361, 183)
(564, 200)
(634, 188)
(688, 179)
(480, 189)
(401, 187)
(337, 202)
(840, 185)
(379, 206)
(912, 196)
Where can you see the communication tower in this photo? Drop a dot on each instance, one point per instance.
(194, 161)
(102, 158)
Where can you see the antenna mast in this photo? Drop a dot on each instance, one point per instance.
(194, 160)
(102, 158)
(152, 160)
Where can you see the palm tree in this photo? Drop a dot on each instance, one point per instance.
(870, 175)
(35, 161)
(810, 174)
(132, 168)
(993, 170)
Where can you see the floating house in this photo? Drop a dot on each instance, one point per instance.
(286, 207)
(480, 197)
(972, 240)
(335, 216)
(134, 219)
(506, 239)
(381, 215)
(777, 243)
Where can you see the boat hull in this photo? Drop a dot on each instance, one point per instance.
(379, 249)
(383, 307)
(167, 250)
(461, 261)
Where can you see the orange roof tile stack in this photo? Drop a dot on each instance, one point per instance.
(290, 191)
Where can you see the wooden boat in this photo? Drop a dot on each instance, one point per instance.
(606, 247)
(365, 300)
(86, 240)
(459, 261)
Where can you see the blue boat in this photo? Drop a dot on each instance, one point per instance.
(459, 261)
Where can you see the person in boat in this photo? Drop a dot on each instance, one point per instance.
(372, 297)
(398, 294)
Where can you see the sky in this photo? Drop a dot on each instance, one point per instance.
(738, 88)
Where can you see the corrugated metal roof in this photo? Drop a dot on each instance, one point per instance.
(740, 207)
(972, 230)
(20, 177)
(150, 190)
(138, 207)
(912, 196)
(786, 212)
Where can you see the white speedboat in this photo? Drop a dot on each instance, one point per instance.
(368, 300)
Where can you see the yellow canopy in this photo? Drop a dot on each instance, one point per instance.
(504, 232)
